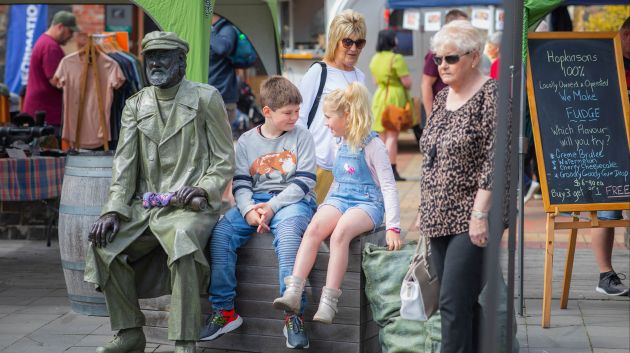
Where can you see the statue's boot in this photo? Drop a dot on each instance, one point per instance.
(129, 340)
(185, 347)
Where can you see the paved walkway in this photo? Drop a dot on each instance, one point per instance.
(35, 315)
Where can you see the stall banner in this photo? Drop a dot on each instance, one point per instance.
(498, 19)
(432, 21)
(481, 18)
(411, 20)
(26, 24)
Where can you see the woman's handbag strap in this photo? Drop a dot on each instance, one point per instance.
(318, 97)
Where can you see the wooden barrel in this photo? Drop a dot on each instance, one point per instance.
(85, 186)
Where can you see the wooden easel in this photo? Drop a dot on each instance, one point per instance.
(90, 51)
(574, 225)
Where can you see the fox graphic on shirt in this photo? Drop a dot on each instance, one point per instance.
(283, 162)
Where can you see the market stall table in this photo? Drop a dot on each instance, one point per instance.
(32, 179)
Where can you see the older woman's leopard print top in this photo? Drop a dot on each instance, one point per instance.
(458, 149)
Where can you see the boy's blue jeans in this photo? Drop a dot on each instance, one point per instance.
(232, 232)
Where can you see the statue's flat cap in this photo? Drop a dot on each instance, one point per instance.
(163, 40)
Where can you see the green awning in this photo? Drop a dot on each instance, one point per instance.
(191, 20)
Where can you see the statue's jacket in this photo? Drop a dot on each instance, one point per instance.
(192, 147)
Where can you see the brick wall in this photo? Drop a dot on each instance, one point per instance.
(90, 18)
(26, 219)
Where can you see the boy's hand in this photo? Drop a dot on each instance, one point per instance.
(266, 214)
(393, 240)
(252, 218)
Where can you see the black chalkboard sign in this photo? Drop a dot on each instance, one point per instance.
(579, 105)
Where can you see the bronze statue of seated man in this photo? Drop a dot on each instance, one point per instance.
(175, 138)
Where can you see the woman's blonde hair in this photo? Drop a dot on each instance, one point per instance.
(355, 101)
(461, 34)
(344, 25)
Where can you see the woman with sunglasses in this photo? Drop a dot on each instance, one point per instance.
(391, 74)
(456, 179)
(346, 39)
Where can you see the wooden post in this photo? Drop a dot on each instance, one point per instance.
(573, 225)
(546, 310)
(83, 83)
(99, 98)
(568, 266)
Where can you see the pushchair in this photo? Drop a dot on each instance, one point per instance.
(248, 113)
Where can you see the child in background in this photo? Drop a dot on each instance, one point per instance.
(273, 187)
(363, 190)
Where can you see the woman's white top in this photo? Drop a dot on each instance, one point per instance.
(308, 88)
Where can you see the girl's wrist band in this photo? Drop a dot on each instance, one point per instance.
(395, 230)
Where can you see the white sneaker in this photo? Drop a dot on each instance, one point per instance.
(535, 186)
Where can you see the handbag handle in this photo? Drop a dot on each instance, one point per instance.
(423, 246)
(391, 66)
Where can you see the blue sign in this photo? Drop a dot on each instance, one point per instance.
(26, 24)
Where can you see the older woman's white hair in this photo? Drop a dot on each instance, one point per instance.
(459, 34)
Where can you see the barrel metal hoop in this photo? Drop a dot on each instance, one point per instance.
(89, 162)
(84, 172)
(73, 265)
(96, 309)
(80, 210)
(86, 299)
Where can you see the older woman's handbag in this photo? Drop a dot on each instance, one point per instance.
(420, 290)
(394, 117)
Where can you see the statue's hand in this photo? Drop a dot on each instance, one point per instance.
(187, 193)
(106, 224)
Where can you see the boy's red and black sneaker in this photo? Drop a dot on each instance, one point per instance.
(220, 323)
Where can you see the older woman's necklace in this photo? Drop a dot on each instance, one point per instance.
(341, 68)
(356, 77)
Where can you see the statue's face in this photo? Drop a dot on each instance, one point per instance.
(165, 68)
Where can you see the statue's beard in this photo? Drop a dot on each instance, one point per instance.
(164, 78)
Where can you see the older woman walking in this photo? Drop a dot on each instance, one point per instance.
(346, 39)
(458, 144)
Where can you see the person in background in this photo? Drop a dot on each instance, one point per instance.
(602, 239)
(346, 39)
(493, 52)
(222, 75)
(391, 74)
(456, 181)
(41, 94)
(431, 81)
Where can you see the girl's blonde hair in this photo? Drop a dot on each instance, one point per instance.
(353, 100)
(344, 25)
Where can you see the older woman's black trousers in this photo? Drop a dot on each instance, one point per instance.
(459, 265)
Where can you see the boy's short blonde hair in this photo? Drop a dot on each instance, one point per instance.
(277, 92)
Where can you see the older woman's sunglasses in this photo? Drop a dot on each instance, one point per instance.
(450, 59)
(347, 43)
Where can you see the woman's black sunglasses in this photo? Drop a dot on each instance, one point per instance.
(450, 59)
(347, 43)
